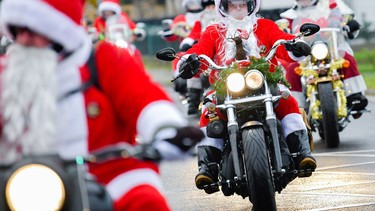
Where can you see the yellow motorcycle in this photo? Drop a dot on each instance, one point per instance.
(322, 82)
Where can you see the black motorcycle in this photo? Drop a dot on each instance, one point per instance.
(253, 160)
(48, 182)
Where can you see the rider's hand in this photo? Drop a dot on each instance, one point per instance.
(351, 27)
(189, 67)
(186, 137)
(298, 49)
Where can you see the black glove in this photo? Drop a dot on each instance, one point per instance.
(189, 67)
(351, 27)
(187, 137)
(185, 47)
(298, 49)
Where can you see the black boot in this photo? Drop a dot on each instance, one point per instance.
(298, 142)
(194, 96)
(356, 102)
(180, 86)
(208, 160)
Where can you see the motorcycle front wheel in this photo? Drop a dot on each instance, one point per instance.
(328, 106)
(258, 170)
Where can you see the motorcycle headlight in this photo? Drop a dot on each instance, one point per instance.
(235, 82)
(35, 187)
(319, 51)
(254, 79)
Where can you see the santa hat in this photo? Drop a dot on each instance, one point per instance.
(58, 20)
(112, 5)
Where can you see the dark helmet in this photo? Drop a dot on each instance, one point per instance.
(206, 3)
(222, 6)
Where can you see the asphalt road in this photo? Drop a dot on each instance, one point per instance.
(344, 179)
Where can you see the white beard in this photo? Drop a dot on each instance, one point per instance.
(28, 102)
(231, 26)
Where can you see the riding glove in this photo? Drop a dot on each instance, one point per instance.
(189, 67)
(298, 49)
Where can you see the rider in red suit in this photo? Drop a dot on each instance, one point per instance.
(112, 8)
(46, 107)
(331, 13)
(239, 18)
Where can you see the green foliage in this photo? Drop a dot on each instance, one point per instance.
(258, 64)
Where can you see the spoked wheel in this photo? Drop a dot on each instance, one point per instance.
(328, 105)
(258, 170)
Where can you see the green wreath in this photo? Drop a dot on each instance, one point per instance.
(273, 78)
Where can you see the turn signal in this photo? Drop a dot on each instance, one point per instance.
(346, 64)
(298, 70)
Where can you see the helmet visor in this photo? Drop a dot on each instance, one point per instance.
(237, 7)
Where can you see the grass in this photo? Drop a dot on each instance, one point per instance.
(366, 65)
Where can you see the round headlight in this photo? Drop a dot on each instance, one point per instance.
(35, 187)
(319, 51)
(254, 79)
(235, 82)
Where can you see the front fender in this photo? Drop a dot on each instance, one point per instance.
(250, 124)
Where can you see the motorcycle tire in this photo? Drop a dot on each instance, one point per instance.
(258, 170)
(328, 106)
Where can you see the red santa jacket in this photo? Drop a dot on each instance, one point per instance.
(266, 31)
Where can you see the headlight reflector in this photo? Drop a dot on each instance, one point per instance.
(254, 79)
(35, 187)
(319, 51)
(235, 82)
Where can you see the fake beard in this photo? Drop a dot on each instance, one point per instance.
(234, 28)
(28, 102)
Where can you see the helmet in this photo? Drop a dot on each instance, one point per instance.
(206, 3)
(192, 5)
(222, 6)
(306, 3)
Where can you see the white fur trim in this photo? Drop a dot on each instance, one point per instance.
(44, 19)
(125, 182)
(72, 123)
(355, 84)
(213, 142)
(109, 6)
(291, 123)
(187, 40)
(194, 83)
(169, 151)
(158, 115)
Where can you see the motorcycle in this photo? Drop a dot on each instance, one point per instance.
(49, 182)
(322, 82)
(252, 162)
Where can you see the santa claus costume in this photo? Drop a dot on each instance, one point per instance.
(121, 17)
(127, 104)
(257, 34)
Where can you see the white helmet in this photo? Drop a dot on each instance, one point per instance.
(305, 3)
(222, 6)
(192, 5)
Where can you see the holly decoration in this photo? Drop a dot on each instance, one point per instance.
(260, 64)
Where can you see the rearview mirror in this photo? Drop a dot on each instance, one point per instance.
(309, 29)
(166, 54)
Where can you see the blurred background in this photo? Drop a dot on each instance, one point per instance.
(151, 12)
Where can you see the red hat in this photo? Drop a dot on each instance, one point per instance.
(112, 5)
(58, 20)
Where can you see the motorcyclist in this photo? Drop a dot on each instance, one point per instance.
(50, 102)
(195, 85)
(176, 30)
(239, 18)
(110, 12)
(332, 13)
